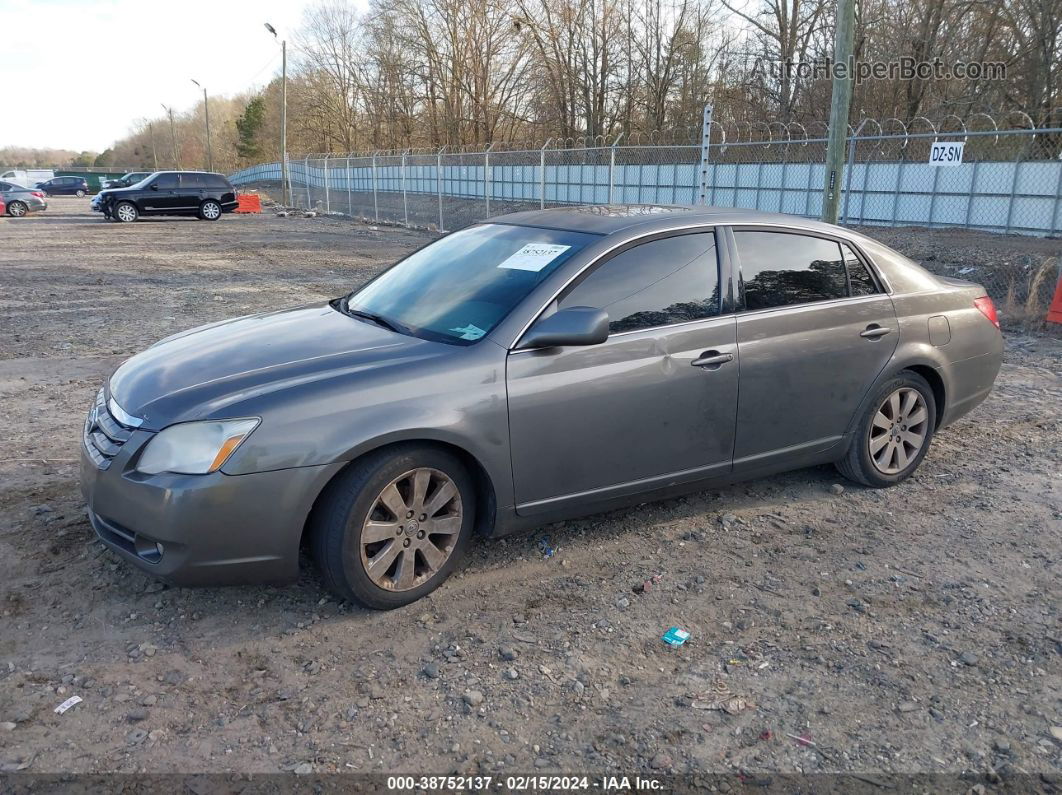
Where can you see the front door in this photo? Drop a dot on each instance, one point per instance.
(653, 405)
(161, 197)
(815, 332)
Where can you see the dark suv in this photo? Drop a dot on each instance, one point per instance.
(64, 186)
(197, 193)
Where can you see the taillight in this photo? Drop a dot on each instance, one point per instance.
(37, 193)
(988, 309)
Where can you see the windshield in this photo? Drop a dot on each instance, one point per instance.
(460, 287)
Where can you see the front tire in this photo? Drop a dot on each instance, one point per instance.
(894, 434)
(80, 194)
(392, 527)
(210, 210)
(126, 212)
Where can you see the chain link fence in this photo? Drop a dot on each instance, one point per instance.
(1008, 181)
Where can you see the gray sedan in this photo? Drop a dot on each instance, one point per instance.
(524, 370)
(21, 200)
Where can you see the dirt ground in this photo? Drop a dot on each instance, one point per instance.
(872, 632)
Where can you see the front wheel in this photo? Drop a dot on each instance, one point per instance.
(210, 210)
(126, 212)
(894, 434)
(393, 526)
(17, 209)
(80, 194)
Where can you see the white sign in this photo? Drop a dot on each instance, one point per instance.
(947, 153)
(534, 256)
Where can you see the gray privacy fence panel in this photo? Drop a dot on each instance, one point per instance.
(1008, 181)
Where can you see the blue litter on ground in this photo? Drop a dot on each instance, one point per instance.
(676, 636)
(545, 548)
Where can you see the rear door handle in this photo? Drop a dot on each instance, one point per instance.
(712, 359)
(873, 332)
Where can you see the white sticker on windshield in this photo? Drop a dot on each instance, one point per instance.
(534, 256)
(469, 332)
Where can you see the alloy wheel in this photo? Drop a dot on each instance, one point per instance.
(126, 213)
(898, 431)
(411, 529)
(16, 209)
(211, 211)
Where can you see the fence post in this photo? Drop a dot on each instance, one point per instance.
(306, 179)
(1058, 202)
(486, 177)
(375, 201)
(438, 185)
(1013, 190)
(328, 202)
(852, 142)
(612, 169)
(350, 200)
(405, 204)
(542, 174)
(706, 138)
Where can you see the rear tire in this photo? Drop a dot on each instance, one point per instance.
(17, 209)
(354, 525)
(126, 212)
(210, 210)
(80, 194)
(894, 434)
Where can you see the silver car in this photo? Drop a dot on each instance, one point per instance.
(21, 200)
(524, 370)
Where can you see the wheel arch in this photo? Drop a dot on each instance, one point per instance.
(486, 495)
(936, 383)
(926, 368)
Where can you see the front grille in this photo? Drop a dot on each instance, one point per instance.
(104, 435)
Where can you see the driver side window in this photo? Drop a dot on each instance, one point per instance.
(659, 283)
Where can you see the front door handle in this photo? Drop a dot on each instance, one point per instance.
(712, 359)
(873, 332)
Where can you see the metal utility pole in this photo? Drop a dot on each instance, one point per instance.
(173, 139)
(842, 97)
(154, 156)
(285, 177)
(206, 112)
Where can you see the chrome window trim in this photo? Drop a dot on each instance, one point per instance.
(848, 299)
(703, 320)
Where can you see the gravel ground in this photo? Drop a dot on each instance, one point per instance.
(834, 628)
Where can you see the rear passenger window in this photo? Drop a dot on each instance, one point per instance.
(192, 181)
(783, 269)
(659, 283)
(858, 275)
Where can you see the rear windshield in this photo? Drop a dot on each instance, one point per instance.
(460, 287)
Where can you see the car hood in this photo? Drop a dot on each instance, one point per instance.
(203, 372)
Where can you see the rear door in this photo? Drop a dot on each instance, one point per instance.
(814, 330)
(637, 411)
(191, 192)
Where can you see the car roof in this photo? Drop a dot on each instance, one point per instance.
(605, 219)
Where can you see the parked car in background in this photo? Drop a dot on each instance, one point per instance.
(65, 186)
(199, 193)
(126, 180)
(521, 371)
(28, 177)
(21, 200)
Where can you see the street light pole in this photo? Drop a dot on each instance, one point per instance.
(842, 96)
(206, 112)
(173, 139)
(285, 178)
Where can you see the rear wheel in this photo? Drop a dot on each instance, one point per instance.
(17, 209)
(210, 210)
(894, 435)
(80, 194)
(126, 212)
(392, 527)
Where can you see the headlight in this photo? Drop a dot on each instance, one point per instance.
(194, 448)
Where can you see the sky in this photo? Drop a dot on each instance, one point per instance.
(77, 74)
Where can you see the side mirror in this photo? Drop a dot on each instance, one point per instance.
(154, 186)
(576, 325)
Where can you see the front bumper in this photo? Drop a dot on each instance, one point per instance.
(214, 529)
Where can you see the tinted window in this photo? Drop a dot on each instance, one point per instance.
(192, 181)
(216, 181)
(858, 275)
(460, 287)
(666, 281)
(166, 181)
(781, 269)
